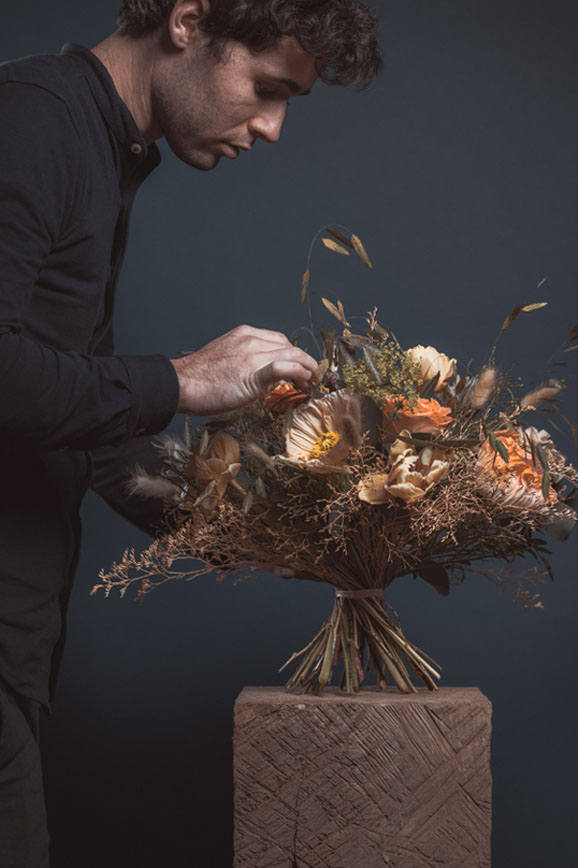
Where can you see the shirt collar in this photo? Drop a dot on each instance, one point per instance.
(113, 109)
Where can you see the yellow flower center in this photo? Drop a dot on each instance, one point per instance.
(324, 444)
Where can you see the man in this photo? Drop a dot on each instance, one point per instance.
(78, 133)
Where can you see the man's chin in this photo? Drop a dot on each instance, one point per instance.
(203, 161)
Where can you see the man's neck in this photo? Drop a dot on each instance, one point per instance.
(129, 63)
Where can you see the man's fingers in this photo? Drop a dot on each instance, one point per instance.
(295, 355)
(268, 335)
(281, 370)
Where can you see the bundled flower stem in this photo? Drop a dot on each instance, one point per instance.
(396, 465)
(354, 624)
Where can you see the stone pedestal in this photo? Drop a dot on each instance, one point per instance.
(378, 779)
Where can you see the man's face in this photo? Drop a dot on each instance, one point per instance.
(209, 107)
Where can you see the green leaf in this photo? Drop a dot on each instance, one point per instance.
(429, 388)
(546, 484)
(542, 457)
(502, 451)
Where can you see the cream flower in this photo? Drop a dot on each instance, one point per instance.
(322, 433)
(217, 467)
(431, 363)
(411, 476)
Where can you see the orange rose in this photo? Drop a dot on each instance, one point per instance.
(427, 417)
(514, 483)
(283, 396)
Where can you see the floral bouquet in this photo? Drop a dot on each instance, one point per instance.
(395, 465)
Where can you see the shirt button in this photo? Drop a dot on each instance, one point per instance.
(136, 148)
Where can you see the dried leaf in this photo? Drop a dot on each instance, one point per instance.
(574, 429)
(530, 307)
(542, 282)
(335, 311)
(305, 285)
(361, 251)
(260, 487)
(436, 575)
(248, 501)
(340, 237)
(333, 245)
(342, 312)
(510, 319)
(569, 349)
(204, 444)
(324, 366)
(561, 528)
(573, 333)
(188, 433)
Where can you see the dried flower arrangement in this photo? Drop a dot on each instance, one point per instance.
(394, 465)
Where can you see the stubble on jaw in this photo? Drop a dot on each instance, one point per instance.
(180, 116)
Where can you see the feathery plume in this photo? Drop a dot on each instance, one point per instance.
(482, 388)
(546, 394)
(147, 485)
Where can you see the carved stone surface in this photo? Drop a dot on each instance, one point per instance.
(378, 779)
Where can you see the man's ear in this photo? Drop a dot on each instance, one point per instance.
(184, 21)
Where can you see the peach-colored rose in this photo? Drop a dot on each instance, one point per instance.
(431, 362)
(427, 417)
(283, 396)
(517, 482)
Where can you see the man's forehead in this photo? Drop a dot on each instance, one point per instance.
(289, 64)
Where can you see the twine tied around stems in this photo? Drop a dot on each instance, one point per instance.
(359, 594)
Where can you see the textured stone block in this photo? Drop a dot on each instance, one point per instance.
(378, 779)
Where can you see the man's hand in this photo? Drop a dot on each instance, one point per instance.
(237, 368)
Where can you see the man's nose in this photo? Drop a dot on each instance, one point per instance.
(268, 126)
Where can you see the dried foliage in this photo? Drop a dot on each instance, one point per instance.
(328, 487)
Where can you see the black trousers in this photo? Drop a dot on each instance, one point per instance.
(23, 832)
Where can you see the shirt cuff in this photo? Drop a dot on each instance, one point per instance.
(155, 393)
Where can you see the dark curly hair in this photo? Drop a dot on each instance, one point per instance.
(340, 34)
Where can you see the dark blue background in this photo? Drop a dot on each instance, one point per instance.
(458, 169)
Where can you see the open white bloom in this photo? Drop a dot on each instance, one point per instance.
(431, 362)
(322, 433)
(537, 437)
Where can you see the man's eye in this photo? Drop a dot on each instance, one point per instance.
(268, 92)
(271, 93)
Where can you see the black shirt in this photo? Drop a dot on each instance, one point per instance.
(71, 161)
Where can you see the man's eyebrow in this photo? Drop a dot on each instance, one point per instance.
(292, 86)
